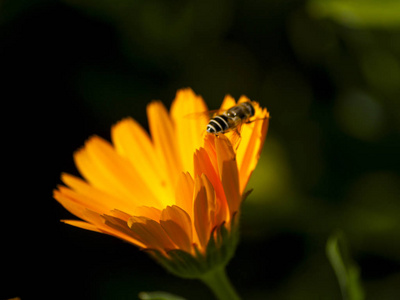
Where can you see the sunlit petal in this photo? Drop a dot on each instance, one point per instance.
(228, 172)
(228, 102)
(163, 134)
(189, 129)
(203, 165)
(253, 137)
(94, 198)
(184, 193)
(106, 170)
(82, 224)
(132, 142)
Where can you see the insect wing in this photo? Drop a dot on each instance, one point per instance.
(235, 137)
(208, 114)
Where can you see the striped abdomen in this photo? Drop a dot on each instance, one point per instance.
(231, 119)
(218, 124)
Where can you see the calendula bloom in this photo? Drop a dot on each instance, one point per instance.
(176, 192)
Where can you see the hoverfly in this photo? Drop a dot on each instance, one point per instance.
(231, 119)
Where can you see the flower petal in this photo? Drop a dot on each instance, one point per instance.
(94, 198)
(204, 209)
(177, 224)
(162, 132)
(189, 130)
(120, 215)
(253, 137)
(243, 99)
(203, 165)
(228, 172)
(132, 142)
(184, 193)
(209, 146)
(150, 233)
(95, 221)
(69, 202)
(82, 224)
(106, 170)
(148, 212)
(119, 228)
(228, 102)
(211, 199)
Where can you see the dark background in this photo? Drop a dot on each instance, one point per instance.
(330, 79)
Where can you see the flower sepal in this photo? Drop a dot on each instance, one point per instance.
(220, 249)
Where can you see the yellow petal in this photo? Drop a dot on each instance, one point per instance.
(211, 199)
(189, 130)
(209, 146)
(162, 132)
(94, 221)
(94, 198)
(118, 228)
(74, 206)
(228, 172)
(150, 233)
(82, 224)
(92, 173)
(120, 215)
(203, 165)
(228, 102)
(249, 151)
(106, 170)
(80, 199)
(204, 195)
(184, 193)
(132, 142)
(218, 210)
(243, 99)
(148, 212)
(177, 224)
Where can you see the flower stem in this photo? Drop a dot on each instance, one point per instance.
(219, 283)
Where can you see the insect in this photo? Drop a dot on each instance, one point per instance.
(231, 119)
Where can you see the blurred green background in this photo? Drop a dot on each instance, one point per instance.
(329, 73)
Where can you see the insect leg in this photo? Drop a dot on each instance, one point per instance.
(259, 119)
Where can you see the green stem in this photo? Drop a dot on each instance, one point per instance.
(219, 283)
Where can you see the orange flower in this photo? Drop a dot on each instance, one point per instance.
(174, 190)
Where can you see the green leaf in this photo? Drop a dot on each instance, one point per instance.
(358, 13)
(346, 270)
(158, 296)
